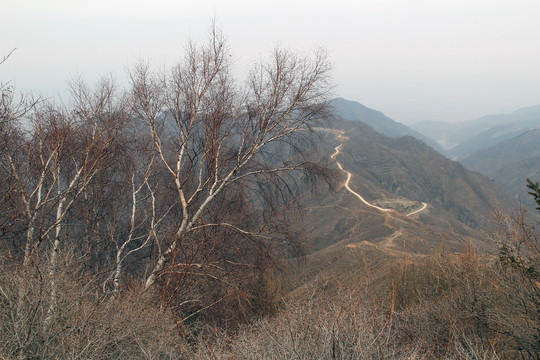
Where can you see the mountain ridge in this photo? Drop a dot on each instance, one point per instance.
(510, 162)
(348, 238)
(463, 138)
(503, 147)
(355, 111)
(398, 174)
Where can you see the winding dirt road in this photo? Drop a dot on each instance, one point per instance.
(424, 206)
(349, 175)
(341, 137)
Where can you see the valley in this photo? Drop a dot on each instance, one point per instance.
(366, 225)
(504, 147)
(169, 192)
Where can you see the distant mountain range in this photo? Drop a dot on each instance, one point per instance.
(510, 162)
(504, 147)
(463, 138)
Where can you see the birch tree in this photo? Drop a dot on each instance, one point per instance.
(53, 161)
(216, 139)
(13, 107)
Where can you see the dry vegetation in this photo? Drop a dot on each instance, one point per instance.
(450, 306)
(145, 224)
(87, 323)
(447, 307)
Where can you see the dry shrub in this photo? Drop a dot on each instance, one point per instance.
(469, 302)
(86, 324)
(345, 328)
(226, 305)
(348, 326)
(458, 306)
(448, 301)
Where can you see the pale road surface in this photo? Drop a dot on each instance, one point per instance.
(424, 206)
(349, 176)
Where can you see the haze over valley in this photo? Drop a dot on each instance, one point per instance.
(503, 147)
(269, 180)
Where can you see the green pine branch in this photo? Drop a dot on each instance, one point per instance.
(535, 187)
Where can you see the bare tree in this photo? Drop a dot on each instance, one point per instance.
(52, 163)
(198, 202)
(231, 155)
(56, 159)
(11, 106)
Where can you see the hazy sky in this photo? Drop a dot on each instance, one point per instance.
(411, 59)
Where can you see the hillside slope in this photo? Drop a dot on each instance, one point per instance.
(510, 162)
(354, 111)
(406, 167)
(347, 238)
(464, 138)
